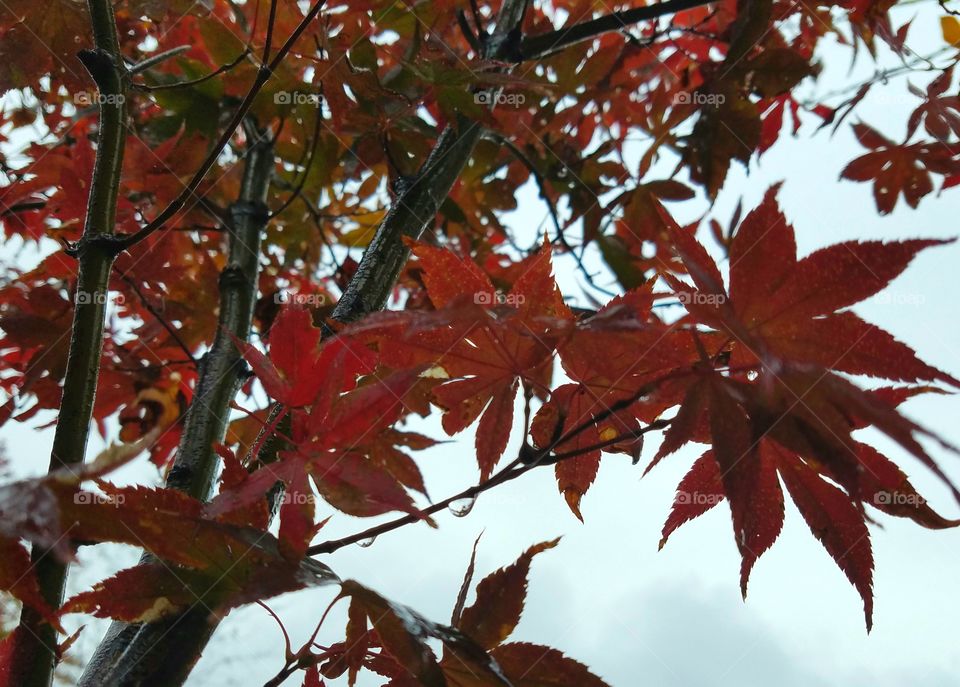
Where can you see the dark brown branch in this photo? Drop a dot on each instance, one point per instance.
(34, 662)
(516, 468)
(308, 163)
(24, 206)
(468, 32)
(158, 316)
(271, 22)
(536, 47)
(223, 68)
(154, 60)
(417, 204)
(165, 652)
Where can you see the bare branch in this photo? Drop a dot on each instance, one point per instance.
(193, 82)
(510, 472)
(536, 47)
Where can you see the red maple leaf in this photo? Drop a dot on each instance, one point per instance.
(488, 355)
(298, 368)
(897, 169)
(778, 410)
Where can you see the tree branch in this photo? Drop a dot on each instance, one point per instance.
(34, 663)
(418, 203)
(156, 59)
(165, 652)
(263, 75)
(536, 47)
(518, 467)
(307, 164)
(158, 316)
(193, 82)
(523, 463)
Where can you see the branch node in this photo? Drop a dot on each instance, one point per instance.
(248, 208)
(180, 476)
(503, 47)
(232, 275)
(100, 65)
(108, 245)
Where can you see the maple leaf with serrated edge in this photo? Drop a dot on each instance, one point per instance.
(748, 477)
(940, 113)
(532, 665)
(570, 406)
(758, 434)
(611, 356)
(780, 307)
(500, 596)
(899, 169)
(344, 448)
(698, 491)
(298, 367)
(834, 521)
(492, 618)
(404, 633)
(228, 564)
(346, 442)
(151, 591)
(47, 37)
(18, 578)
(487, 356)
(794, 417)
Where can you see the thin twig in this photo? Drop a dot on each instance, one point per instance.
(154, 60)
(174, 334)
(542, 45)
(302, 180)
(263, 75)
(510, 472)
(193, 82)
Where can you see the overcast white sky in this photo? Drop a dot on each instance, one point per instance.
(675, 618)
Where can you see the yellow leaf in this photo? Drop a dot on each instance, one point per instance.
(608, 434)
(950, 26)
(362, 235)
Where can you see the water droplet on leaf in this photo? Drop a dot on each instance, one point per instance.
(366, 543)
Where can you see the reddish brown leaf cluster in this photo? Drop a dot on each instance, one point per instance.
(769, 368)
